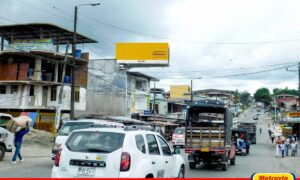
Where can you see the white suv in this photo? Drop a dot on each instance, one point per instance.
(70, 126)
(114, 153)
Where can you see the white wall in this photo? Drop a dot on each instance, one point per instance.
(22, 100)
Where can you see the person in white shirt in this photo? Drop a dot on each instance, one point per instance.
(294, 148)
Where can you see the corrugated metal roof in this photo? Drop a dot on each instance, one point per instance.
(42, 30)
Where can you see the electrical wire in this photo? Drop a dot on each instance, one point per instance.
(168, 38)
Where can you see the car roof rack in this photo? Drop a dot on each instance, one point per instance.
(138, 127)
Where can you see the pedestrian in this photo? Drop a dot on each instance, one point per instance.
(272, 138)
(294, 148)
(296, 138)
(260, 129)
(283, 148)
(18, 143)
(278, 150)
(287, 144)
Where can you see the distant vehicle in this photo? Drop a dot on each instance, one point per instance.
(117, 153)
(6, 137)
(255, 118)
(243, 147)
(251, 128)
(208, 134)
(178, 137)
(70, 126)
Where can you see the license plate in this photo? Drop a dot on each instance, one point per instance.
(204, 149)
(86, 171)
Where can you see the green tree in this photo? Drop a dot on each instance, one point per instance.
(278, 91)
(236, 97)
(263, 95)
(244, 97)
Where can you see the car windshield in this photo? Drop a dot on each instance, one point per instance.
(67, 128)
(98, 142)
(179, 131)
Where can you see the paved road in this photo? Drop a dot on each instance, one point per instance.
(261, 159)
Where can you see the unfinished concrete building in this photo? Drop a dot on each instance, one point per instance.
(31, 67)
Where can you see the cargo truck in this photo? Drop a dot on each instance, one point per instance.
(208, 134)
(251, 128)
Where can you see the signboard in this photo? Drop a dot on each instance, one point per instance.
(32, 44)
(293, 117)
(143, 54)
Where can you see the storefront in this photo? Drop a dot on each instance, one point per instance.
(293, 120)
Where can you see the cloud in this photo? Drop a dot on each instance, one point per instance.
(182, 23)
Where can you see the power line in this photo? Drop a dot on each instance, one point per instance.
(186, 41)
(236, 68)
(168, 38)
(42, 10)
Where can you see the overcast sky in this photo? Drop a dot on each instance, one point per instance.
(207, 39)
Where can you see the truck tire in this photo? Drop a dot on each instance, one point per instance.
(2, 153)
(232, 161)
(224, 167)
(192, 165)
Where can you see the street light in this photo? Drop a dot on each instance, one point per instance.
(73, 52)
(192, 87)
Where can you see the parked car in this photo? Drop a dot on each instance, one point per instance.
(255, 117)
(6, 137)
(70, 126)
(178, 137)
(116, 153)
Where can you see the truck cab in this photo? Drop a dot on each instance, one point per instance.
(6, 137)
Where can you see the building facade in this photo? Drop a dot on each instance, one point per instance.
(31, 72)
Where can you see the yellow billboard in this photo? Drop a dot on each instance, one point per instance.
(143, 53)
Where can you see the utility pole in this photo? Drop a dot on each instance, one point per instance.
(73, 52)
(154, 102)
(299, 79)
(59, 103)
(191, 90)
(73, 64)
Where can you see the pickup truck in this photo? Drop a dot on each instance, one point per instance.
(208, 134)
(6, 137)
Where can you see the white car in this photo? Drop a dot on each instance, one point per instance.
(70, 126)
(117, 153)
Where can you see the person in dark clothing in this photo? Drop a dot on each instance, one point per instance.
(18, 143)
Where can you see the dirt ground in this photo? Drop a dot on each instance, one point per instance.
(38, 138)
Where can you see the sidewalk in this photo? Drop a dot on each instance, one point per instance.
(30, 153)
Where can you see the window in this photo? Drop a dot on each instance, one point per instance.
(95, 142)
(164, 146)
(14, 89)
(2, 89)
(77, 94)
(53, 93)
(140, 143)
(141, 85)
(152, 145)
(31, 91)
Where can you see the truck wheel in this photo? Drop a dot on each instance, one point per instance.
(224, 167)
(2, 153)
(192, 165)
(232, 161)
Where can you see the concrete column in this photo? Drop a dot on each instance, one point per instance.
(38, 70)
(56, 73)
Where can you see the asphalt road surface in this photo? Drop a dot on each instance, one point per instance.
(261, 159)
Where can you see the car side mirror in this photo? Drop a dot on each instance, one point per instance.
(176, 150)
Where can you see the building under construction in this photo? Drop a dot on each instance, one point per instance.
(31, 66)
